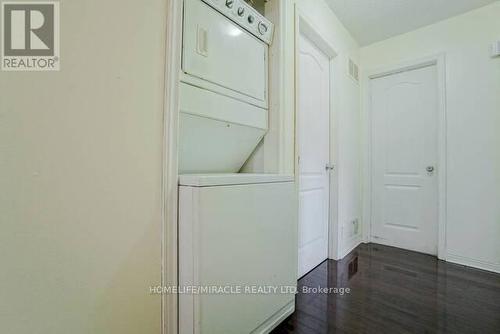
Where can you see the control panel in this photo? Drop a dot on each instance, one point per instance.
(246, 16)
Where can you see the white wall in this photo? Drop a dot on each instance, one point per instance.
(473, 118)
(80, 177)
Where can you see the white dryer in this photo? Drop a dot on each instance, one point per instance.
(224, 84)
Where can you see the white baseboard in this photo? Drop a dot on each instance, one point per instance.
(479, 264)
(352, 243)
(276, 319)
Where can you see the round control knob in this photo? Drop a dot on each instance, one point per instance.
(229, 3)
(251, 19)
(262, 28)
(241, 11)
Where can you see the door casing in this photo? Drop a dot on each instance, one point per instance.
(439, 61)
(306, 27)
(169, 302)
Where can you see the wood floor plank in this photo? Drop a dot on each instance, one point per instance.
(396, 291)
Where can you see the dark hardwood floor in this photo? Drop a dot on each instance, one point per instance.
(396, 291)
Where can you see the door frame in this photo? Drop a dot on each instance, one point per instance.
(306, 27)
(169, 262)
(439, 61)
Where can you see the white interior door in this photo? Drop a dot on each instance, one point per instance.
(404, 158)
(313, 145)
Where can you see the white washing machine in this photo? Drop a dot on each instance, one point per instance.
(235, 229)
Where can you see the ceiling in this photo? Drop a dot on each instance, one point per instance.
(370, 21)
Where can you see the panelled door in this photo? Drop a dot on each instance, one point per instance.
(404, 117)
(313, 145)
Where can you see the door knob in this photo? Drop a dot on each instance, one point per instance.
(429, 169)
(329, 167)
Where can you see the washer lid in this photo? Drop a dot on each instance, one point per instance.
(208, 180)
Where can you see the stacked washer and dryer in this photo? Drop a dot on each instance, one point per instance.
(237, 231)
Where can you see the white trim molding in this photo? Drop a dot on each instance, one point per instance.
(278, 142)
(353, 242)
(439, 61)
(169, 269)
(474, 263)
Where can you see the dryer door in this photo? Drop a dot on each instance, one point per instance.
(217, 50)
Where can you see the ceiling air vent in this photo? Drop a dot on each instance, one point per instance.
(353, 70)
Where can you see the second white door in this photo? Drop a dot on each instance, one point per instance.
(313, 145)
(404, 160)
